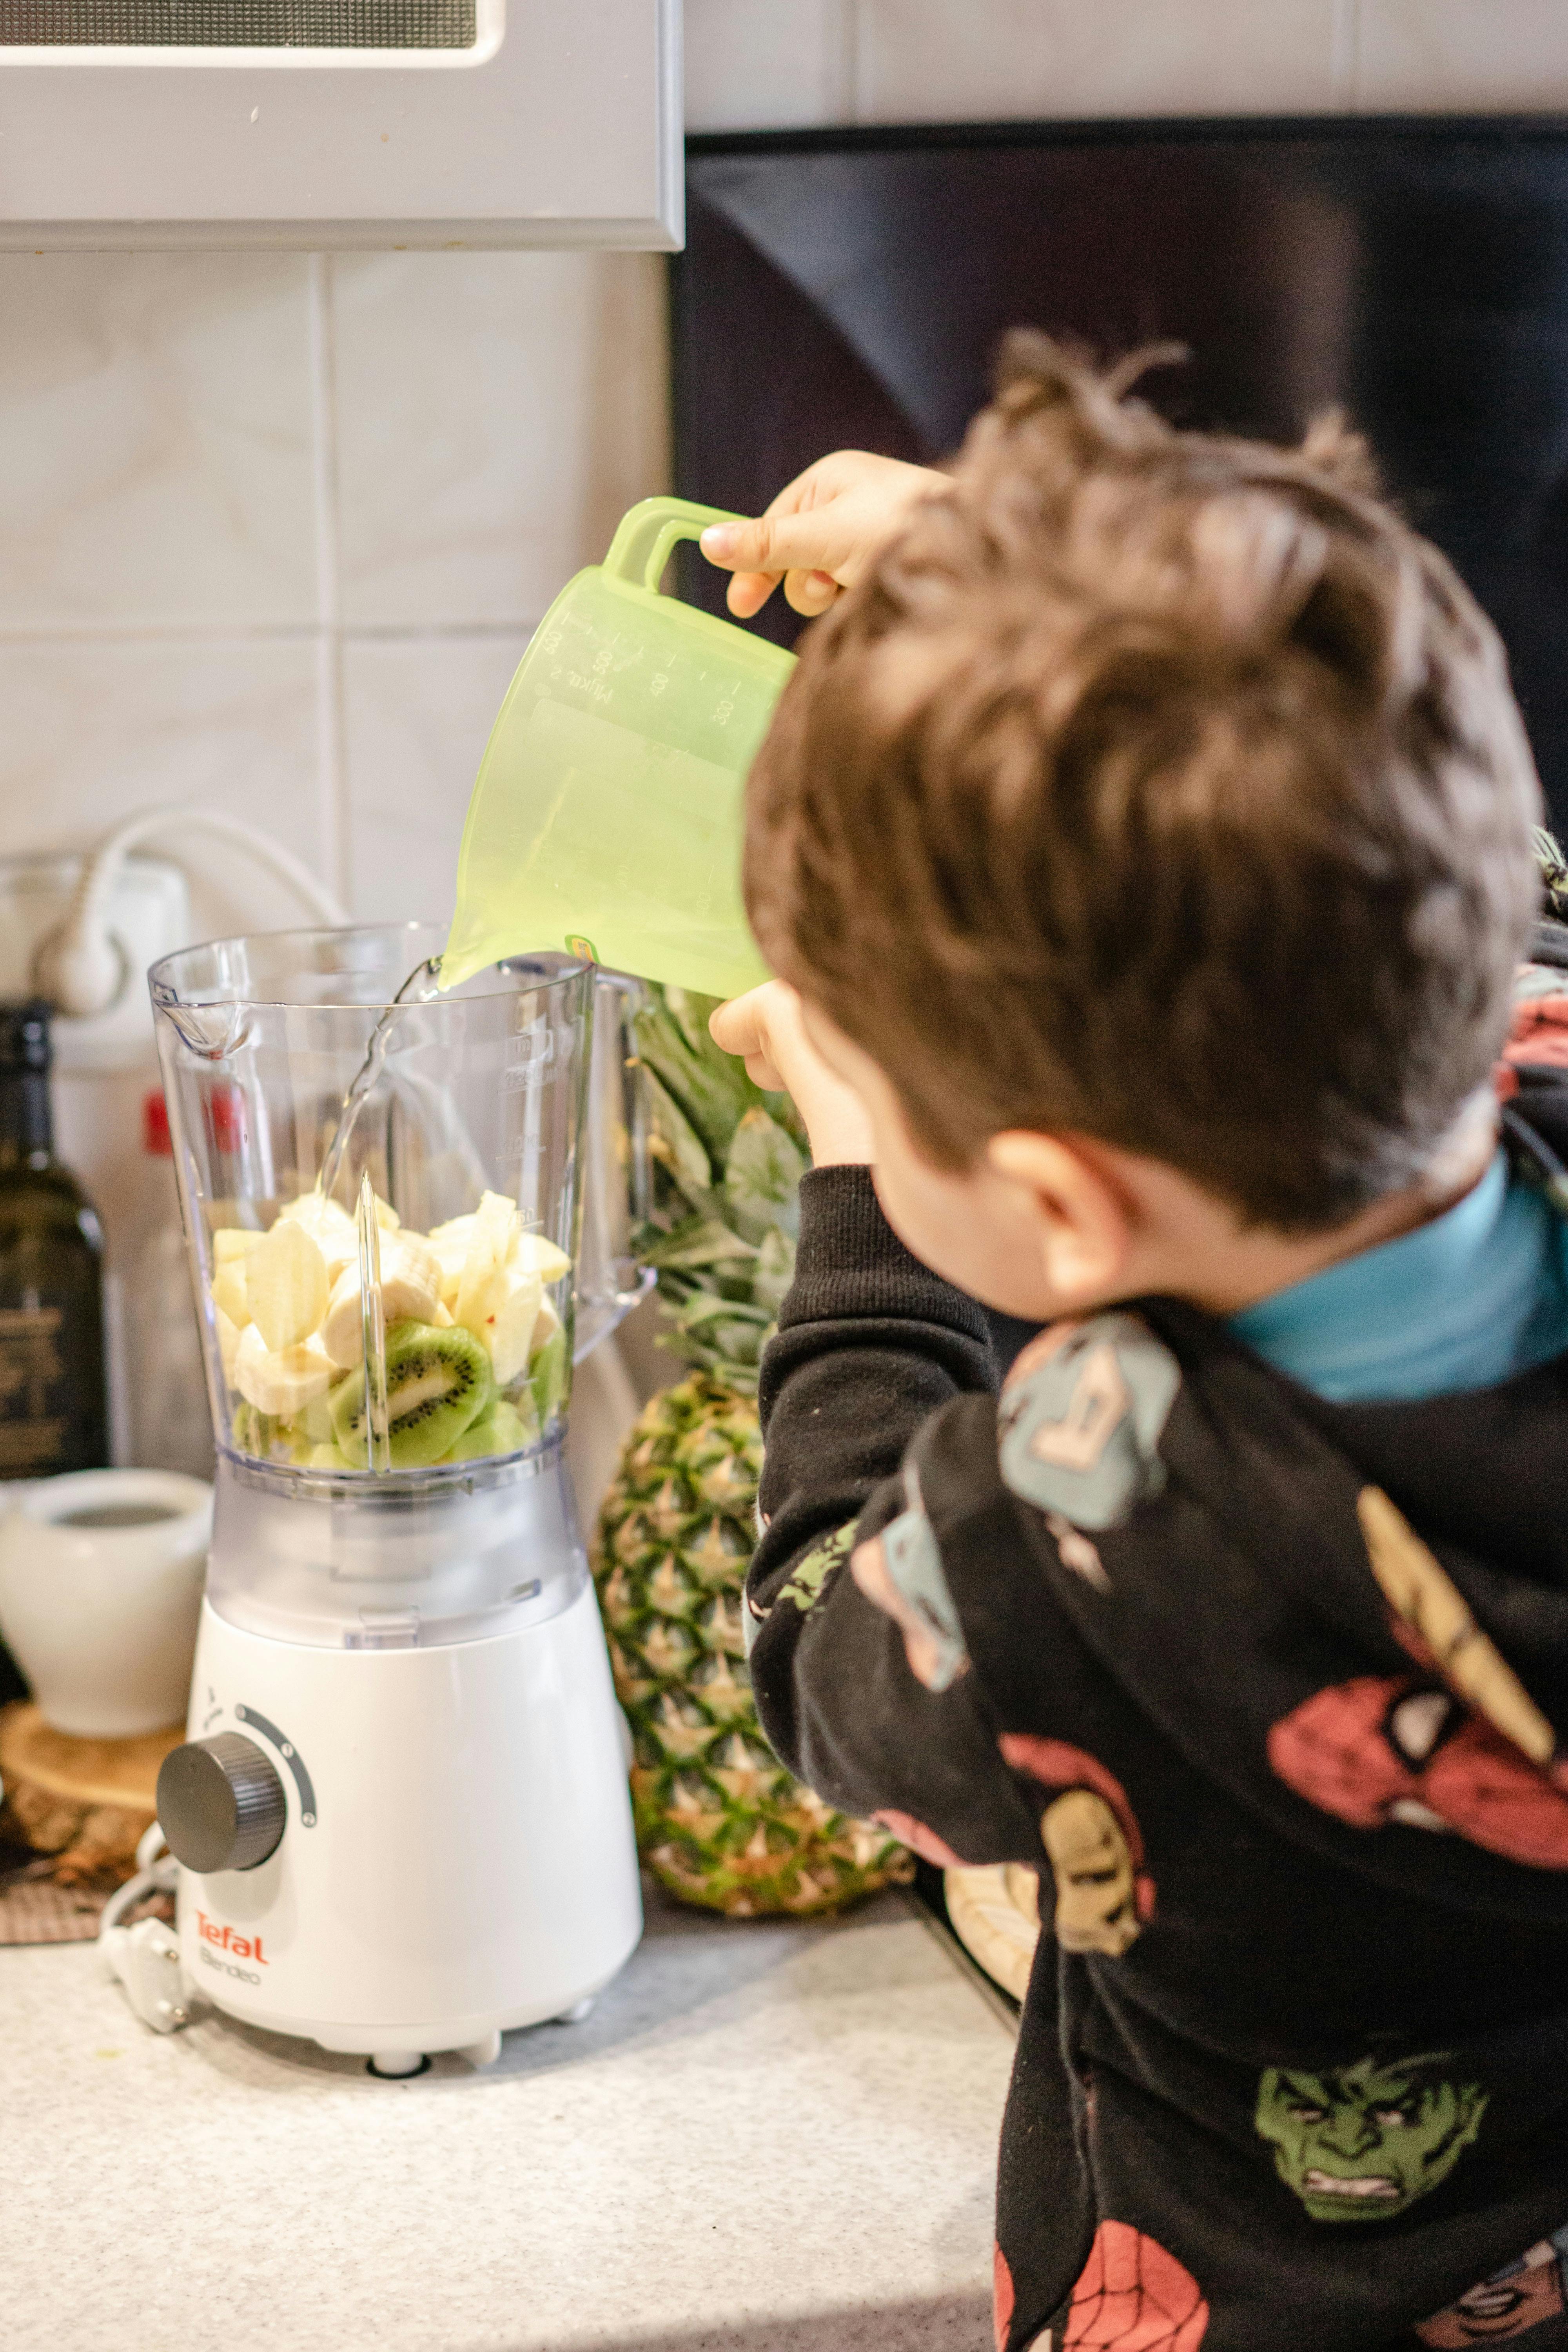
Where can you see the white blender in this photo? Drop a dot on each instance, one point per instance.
(401, 1813)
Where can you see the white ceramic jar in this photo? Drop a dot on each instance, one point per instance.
(100, 1587)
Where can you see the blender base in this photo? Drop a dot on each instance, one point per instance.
(457, 1857)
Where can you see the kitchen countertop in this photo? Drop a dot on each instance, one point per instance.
(769, 2136)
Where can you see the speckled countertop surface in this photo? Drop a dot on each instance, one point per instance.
(768, 2137)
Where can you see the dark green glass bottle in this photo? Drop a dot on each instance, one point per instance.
(54, 1400)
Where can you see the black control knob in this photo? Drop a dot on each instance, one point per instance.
(220, 1803)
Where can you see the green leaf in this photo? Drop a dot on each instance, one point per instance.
(700, 1241)
(710, 1087)
(762, 1177)
(774, 1269)
(705, 1309)
(684, 1153)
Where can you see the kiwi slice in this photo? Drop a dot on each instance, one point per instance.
(438, 1383)
(502, 1430)
(548, 1375)
(251, 1430)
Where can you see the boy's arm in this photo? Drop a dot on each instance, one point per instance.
(860, 1677)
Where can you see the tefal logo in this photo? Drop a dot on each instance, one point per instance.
(228, 1940)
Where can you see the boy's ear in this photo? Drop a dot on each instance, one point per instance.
(1083, 1225)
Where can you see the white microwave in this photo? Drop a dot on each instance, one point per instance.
(339, 123)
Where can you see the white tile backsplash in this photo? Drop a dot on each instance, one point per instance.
(923, 60)
(495, 413)
(96, 729)
(155, 440)
(418, 715)
(769, 65)
(1428, 56)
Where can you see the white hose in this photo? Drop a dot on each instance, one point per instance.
(78, 965)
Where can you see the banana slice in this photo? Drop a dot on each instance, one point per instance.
(330, 1227)
(410, 1285)
(231, 1242)
(285, 1285)
(228, 1294)
(282, 1380)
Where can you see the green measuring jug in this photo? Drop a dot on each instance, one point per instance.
(606, 813)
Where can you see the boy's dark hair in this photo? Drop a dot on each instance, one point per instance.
(1162, 787)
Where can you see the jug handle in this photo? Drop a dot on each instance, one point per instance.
(647, 531)
(610, 1282)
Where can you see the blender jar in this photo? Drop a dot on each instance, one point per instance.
(384, 1188)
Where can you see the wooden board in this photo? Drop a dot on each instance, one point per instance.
(84, 1802)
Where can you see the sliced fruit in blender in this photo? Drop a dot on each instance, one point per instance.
(251, 1430)
(330, 1227)
(285, 1285)
(547, 1377)
(496, 1226)
(534, 1254)
(502, 1431)
(231, 1242)
(228, 1341)
(229, 1295)
(282, 1380)
(509, 1330)
(410, 1293)
(438, 1383)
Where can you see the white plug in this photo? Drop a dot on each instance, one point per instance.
(81, 967)
(146, 1957)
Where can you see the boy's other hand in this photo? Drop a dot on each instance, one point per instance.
(820, 533)
(764, 1027)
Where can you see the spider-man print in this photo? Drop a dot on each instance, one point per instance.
(1470, 1752)
(1093, 1843)
(1133, 2297)
(1400, 1748)
(1001, 2297)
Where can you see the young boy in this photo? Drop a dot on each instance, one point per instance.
(1145, 842)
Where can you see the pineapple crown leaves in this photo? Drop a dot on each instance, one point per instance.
(728, 1160)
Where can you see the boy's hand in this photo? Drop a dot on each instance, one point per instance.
(764, 1027)
(820, 533)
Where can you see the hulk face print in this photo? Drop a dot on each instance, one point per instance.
(1361, 2143)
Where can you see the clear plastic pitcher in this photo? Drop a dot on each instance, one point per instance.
(607, 808)
(411, 1303)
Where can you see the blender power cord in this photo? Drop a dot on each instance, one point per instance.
(146, 1957)
(79, 965)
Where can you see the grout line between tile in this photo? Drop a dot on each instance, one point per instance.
(331, 765)
(91, 633)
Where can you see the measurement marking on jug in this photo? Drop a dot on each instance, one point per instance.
(285, 1748)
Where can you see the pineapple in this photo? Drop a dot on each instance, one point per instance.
(719, 1819)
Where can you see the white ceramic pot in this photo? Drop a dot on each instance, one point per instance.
(100, 1587)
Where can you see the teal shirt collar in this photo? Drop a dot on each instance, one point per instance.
(1479, 1294)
